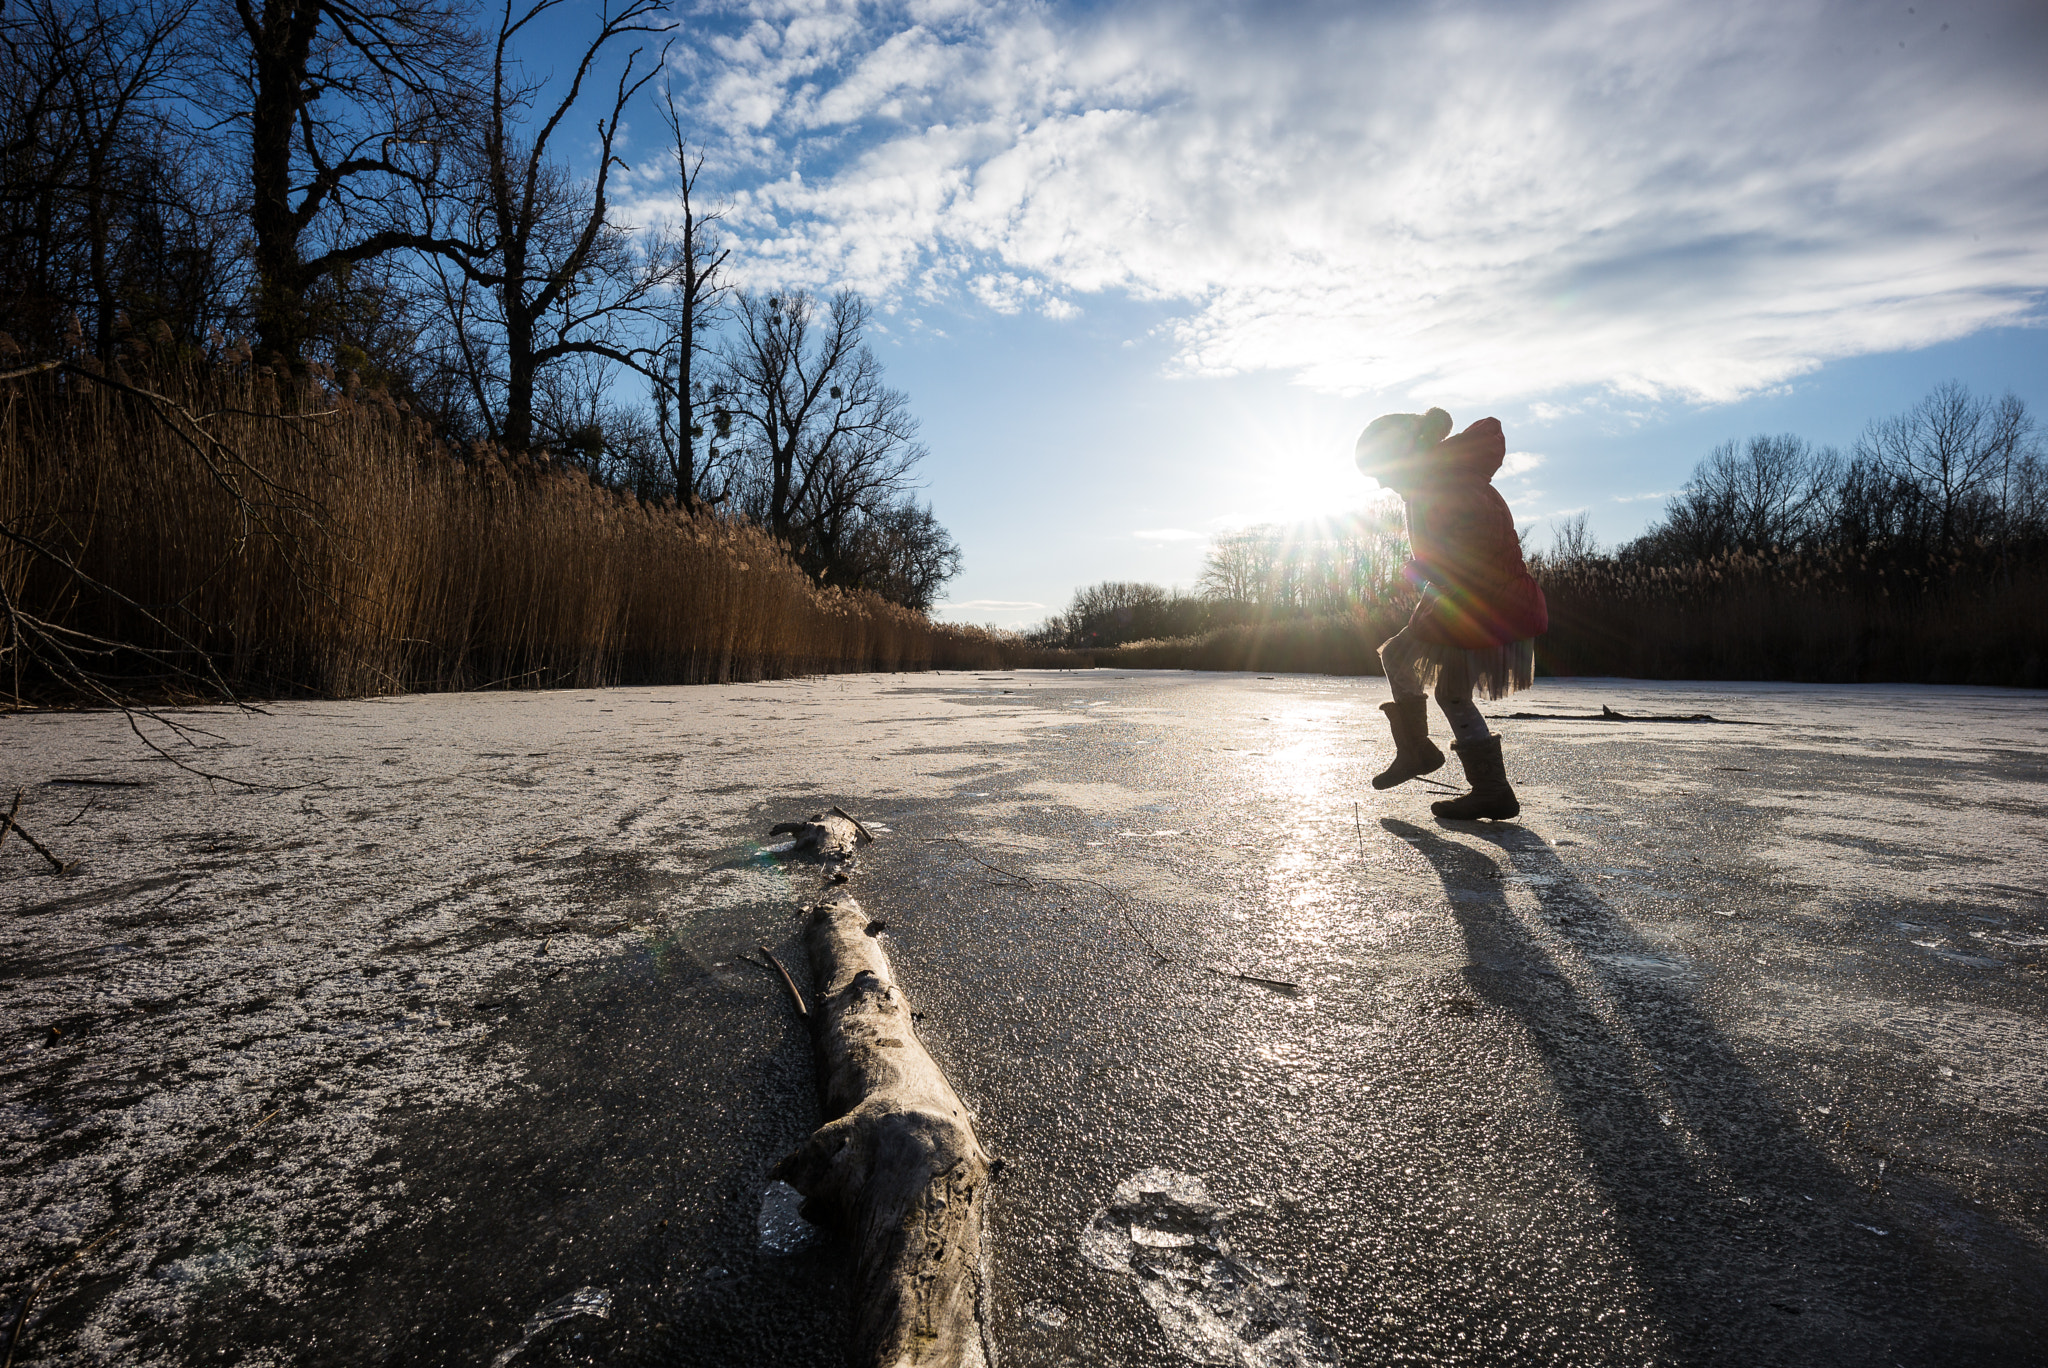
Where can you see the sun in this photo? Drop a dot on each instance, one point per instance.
(1305, 484)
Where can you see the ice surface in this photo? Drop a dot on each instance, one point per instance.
(216, 1029)
(1164, 1230)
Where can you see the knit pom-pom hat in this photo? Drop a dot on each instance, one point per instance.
(1393, 439)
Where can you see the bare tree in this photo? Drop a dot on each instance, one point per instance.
(1236, 566)
(1954, 446)
(1772, 491)
(1572, 542)
(537, 267)
(98, 216)
(826, 442)
(901, 552)
(327, 94)
(698, 291)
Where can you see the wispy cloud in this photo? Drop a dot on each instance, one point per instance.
(1519, 463)
(1461, 202)
(1169, 534)
(1643, 498)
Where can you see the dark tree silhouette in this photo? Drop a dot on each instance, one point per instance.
(684, 413)
(824, 442)
(327, 95)
(101, 212)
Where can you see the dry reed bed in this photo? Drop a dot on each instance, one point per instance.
(1971, 617)
(305, 536)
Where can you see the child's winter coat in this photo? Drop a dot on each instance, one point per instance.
(1463, 540)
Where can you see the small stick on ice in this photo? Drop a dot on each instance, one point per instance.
(8, 824)
(1288, 984)
(788, 983)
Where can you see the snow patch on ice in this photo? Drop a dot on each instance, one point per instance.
(1164, 1230)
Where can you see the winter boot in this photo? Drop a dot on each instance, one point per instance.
(1491, 795)
(1414, 752)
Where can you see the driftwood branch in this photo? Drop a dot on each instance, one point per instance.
(866, 837)
(898, 1165)
(833, 835)
(1607, 714)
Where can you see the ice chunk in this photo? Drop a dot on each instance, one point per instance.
(584, 1301)
(1165, 1231)
(781, 1223)
(1195, 1332)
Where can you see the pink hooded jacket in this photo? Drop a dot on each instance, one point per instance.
(1464, 545)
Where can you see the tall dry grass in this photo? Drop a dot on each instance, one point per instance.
(1977, 617)
(288, 536)
(1972, 617)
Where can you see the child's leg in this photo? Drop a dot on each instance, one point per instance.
(1478, 751)
(1407, 715)
(1454, 696)
(1400, 660)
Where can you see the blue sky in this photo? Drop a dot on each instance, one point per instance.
(1145, 269)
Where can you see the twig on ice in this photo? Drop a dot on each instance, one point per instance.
(788, 982)
(1024, 879)
(8, 824)
(1288, 984)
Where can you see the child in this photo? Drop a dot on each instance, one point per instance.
(1473, 630)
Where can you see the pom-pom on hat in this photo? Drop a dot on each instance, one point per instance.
(1393, 438)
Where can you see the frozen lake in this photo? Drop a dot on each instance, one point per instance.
(1730, 1051)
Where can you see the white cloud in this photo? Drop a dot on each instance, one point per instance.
(1518, 463)
(1458, 203)
(995, 606)
(1642, 498)
(1169, 534)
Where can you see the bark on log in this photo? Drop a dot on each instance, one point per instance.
(898, 1165)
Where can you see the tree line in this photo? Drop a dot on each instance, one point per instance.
(1919, 553)
(381, 189)
(1956, 474)
(1328, 569)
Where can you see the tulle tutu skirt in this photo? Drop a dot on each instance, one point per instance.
(1415, 666)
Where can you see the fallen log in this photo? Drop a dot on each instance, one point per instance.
(897, 1164)
(834, 835)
